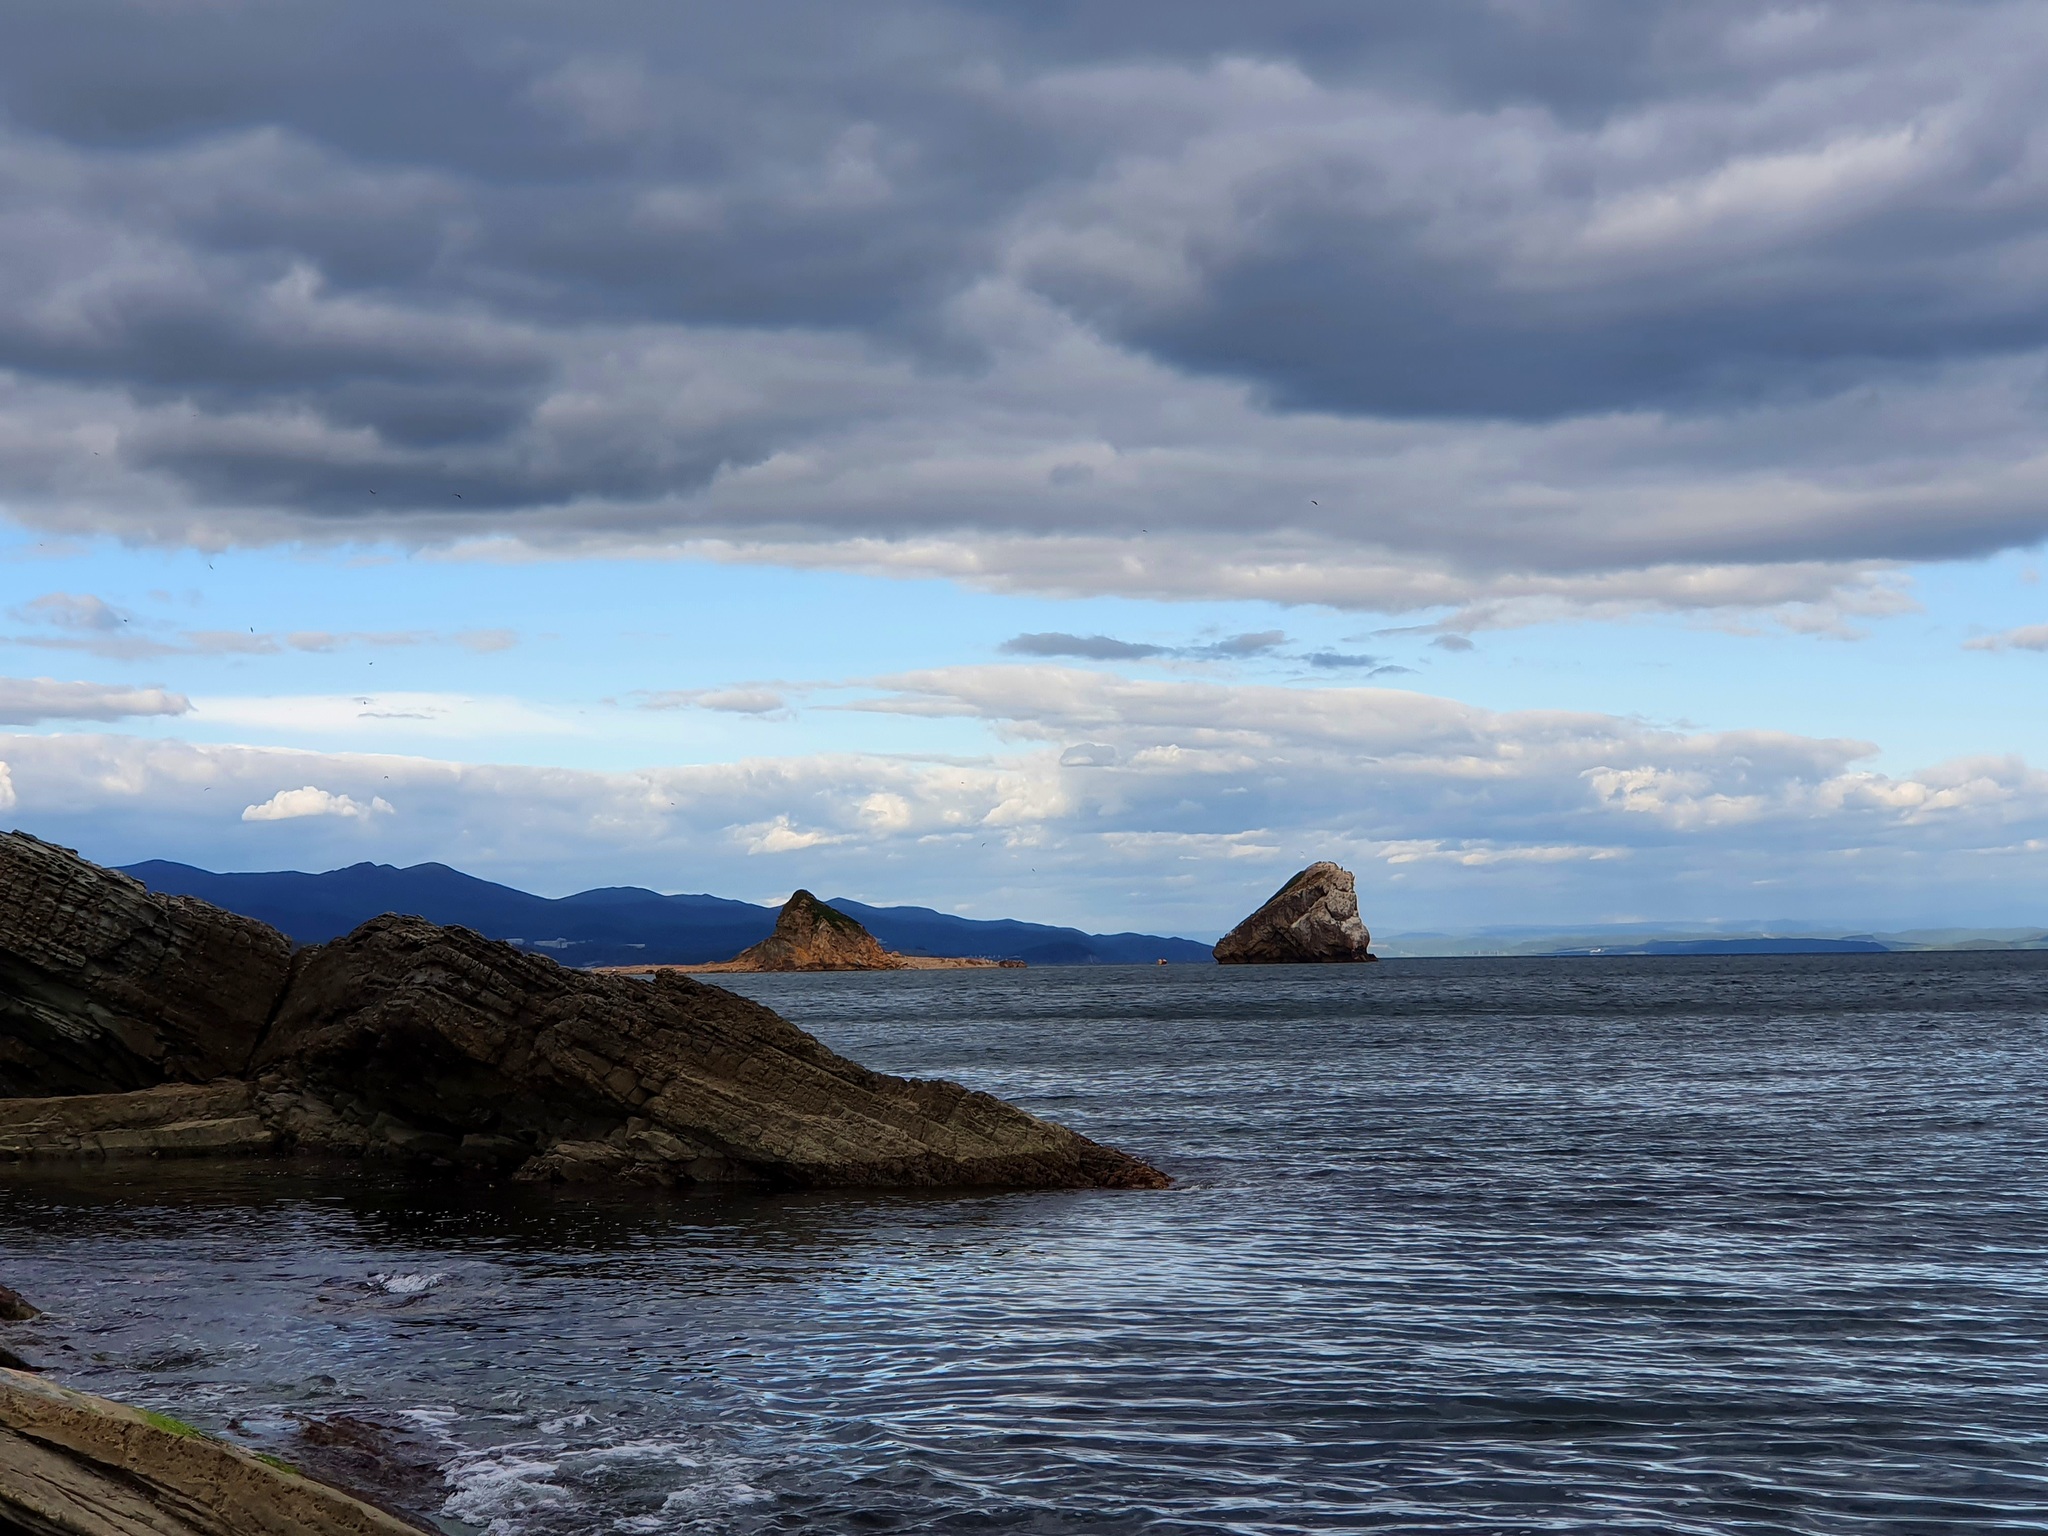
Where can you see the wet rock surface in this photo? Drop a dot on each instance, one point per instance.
(1311, 920)
(387, 1464)
(438, 1047)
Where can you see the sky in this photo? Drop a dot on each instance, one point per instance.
(1569, 461)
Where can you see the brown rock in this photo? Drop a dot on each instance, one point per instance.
(175, 1120)
(810, 936)
(105, 987)
(76, 1465)
(428, 1042)
(391, 1465)
(440, 1047)
(15, 1309)
(1312, 919)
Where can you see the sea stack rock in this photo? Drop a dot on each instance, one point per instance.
(1311, 920)
(810, 936)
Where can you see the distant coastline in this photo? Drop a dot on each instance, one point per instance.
(735, 968)
(1734, 938)
(625, 925)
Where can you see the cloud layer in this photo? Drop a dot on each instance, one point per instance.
(1150, 802)
(29, 700)
(1516, 310)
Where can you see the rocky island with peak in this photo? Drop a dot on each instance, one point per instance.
(811, 935)
(1311, 920)
(134, 1024)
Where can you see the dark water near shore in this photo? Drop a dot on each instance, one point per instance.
(1690, 1245)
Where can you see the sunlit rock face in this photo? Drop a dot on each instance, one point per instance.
(810, 936)
(1311, 920)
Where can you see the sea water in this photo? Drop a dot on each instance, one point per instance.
(1674, 1245)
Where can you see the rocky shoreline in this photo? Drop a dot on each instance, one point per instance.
(72, 1464)
(133, 1024)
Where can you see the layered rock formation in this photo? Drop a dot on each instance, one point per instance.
(216, 1119)
(76, 1465)
(1311, 920)
(104, 986)
(438, 1046)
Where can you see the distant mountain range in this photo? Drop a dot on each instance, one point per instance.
(621, 925)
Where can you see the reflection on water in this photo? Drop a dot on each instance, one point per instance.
(1675, 1245)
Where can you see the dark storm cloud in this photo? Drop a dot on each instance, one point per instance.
(1648, 286)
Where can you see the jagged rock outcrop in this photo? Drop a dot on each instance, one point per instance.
(76, 1465)
(105, 986)
(438, 1046)
(15, 1308)
(810, 936)
(1311, 920)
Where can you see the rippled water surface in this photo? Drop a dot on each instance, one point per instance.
(1579, 1245)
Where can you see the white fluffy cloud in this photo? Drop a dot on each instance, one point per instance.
(291, 804)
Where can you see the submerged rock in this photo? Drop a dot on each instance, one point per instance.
(439, 1047)
(1312, 919)
(76, 1465)
(810, 936)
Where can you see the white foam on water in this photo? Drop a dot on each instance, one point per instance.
(407, 1285)
(534, 1487)
(714, 1481)
(436, 1419)
(502, 1490)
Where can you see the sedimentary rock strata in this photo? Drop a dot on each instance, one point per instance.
(1312, 919)
(448, 1045)
(440, 1047)
(76, 1465)
(216, 1119)
(105, 986)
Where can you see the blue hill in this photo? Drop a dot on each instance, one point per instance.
(619, 925)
